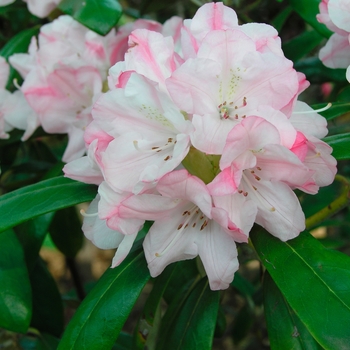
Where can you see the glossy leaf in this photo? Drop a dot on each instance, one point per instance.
(318, 292)
(242, 285)
(336, 110)
(301, 45)
(41, 198)
(340, 144)
(47, 303)
(317, 73)
(102, 314)
(285, 329)
(31, 235)
(66, 232)
(98, 15)
(15, 291)
(148, 325)
(195, 324)
(308, 9)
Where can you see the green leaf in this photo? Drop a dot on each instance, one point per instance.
(336, 110)
(15, 291)
(18, 44)
(242, 285)
(47, 303)
(31, 234)
(148, 325)
(301, 45)
(307, 10)
(98, 15)
(340, 144)
(285, 329)
(314, 280)
(102, 314)
(66, 233)
(41, 198)
(317, 73)
(195, 324)
(279, 21)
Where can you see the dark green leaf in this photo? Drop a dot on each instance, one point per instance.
(15, 292)
(195, 323)
(336, 110)
(317, 73)
(186, 271)
(340, 144)
(31, 235)
(148, 327)
(301, 45)
(242, 285)
(243, 321)
(308, 9)
(281, 18)
(66, 233)
(98, 15)
(102, 314)
(286, 331)
(47, 303)
(41, 198)
(40, 341)
(315, 282)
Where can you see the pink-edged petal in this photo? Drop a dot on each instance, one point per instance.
(24, 62)
(336, 52)
(210, 133)
(339, 12)
(85, 169)
(96, 230)
(300, 147)
(280, 121)
(252, 134)
(278, 163)
(320, 160)
(218, 253)
(41, 8)
(194, 86)
(265, 37)
(168, 241)
(76, 145)
(279, 210)
(130, 160)
(151, 55)
(311, 124)
(236, 214)
(226, 182)
(213, 16)
(109, 209)
(123, 249)
(180, 184)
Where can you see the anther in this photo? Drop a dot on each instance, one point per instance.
(180, 226)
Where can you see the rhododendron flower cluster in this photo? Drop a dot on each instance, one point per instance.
(65, 71)
(205, 139)
(40, 8)
(335, 14)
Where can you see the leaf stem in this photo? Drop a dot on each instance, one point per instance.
(334, 207)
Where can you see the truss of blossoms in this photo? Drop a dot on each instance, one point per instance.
(204, 142)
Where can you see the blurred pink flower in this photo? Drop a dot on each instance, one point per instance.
(335, 14)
